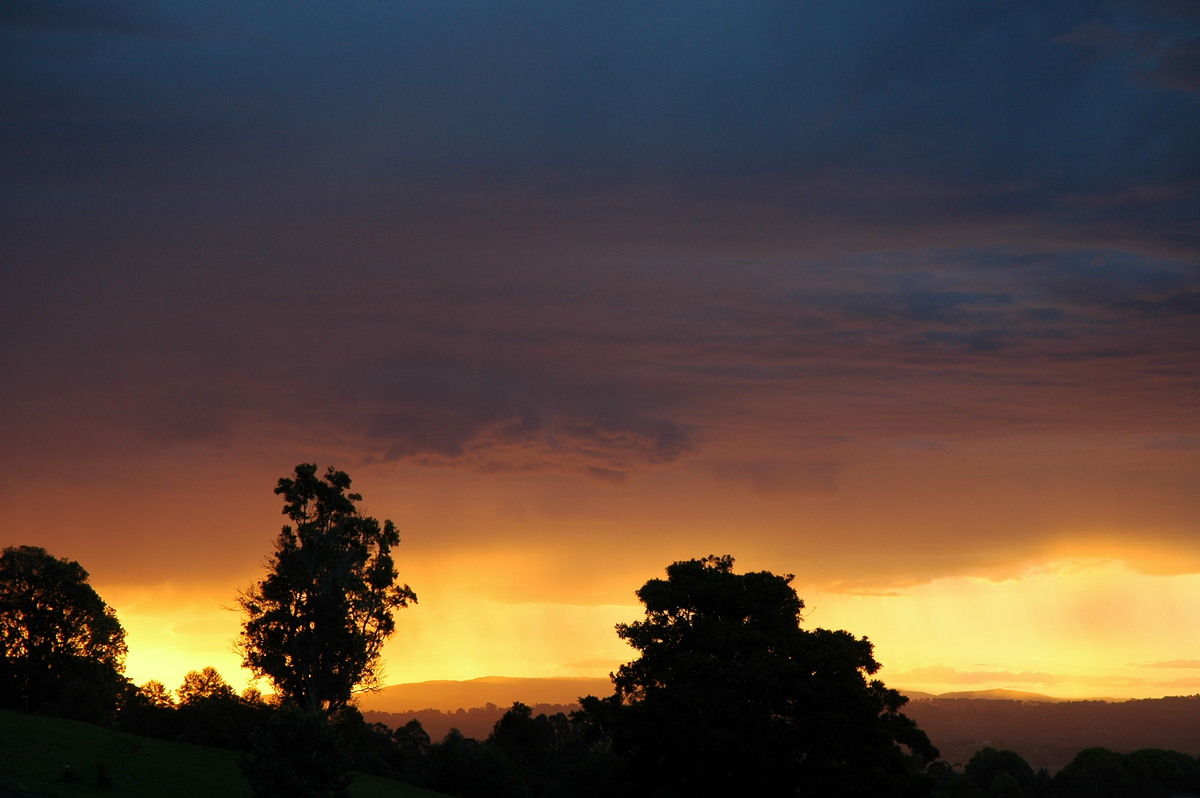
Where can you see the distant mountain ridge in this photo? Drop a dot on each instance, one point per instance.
(448, 695)
(997, 694)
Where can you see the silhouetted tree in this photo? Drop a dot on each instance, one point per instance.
(731, 697)
(155, 694)
(521, 738)
(412, 738)
(296, 754)
(1004, 785)
(1094, 772)
(1145, 773)
(62, 646)
(252, 695)
(202, 684)
(465, 767)
(553, 754)
(315, 624)
(369, 745)
(210, 713)
(987, 767)
(1158, 772)
(151, 711)
(411, 745)
(948, 782)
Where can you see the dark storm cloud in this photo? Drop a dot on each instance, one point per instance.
(602, 372)
(537, 235)
(957, 93)
(920, 305)
(497, 420)
(1182, 303)
(122, 17)
(1160, 52)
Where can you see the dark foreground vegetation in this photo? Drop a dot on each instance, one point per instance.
(72, 759)
(1050, 734)
(141, 752)
(1046, 734)
(728, 696)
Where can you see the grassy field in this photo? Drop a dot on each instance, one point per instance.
(66, 759)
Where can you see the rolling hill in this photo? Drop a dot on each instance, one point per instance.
(42, 756)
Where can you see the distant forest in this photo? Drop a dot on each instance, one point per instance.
(1046, 734)
(1050, 734)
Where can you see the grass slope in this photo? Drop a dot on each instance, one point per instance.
(34, 753)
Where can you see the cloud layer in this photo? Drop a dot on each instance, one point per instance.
(929, 272)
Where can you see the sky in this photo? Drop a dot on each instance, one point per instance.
(900, 298)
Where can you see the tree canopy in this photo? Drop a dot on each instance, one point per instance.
(315, 624)
(731, 697)
(203, 684)
(60, 642)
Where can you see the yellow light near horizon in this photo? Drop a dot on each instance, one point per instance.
(171, 631)
(467, 637)
(1071, 627)
(452, 634)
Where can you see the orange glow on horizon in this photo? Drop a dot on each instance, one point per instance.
(1070, 628)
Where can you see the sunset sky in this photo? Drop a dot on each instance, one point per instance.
(900, 298)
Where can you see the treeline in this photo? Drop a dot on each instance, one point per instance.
(522, 756)
(475, 722)
(1093, 773)
(727, 695)
(204, 710)
(554, 754)
(549, 751)
(1046, 734)
(1049, 734)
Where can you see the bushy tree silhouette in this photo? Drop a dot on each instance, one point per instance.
(203, 684)
(1094, 772)
(63, 647)
(296, 754)
(1144, 773)
(553, 754)
(731, 697)
(315, 624)
(150, 711)
(466, 767)
(993, 771)
(155, 694)
(411, 746)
